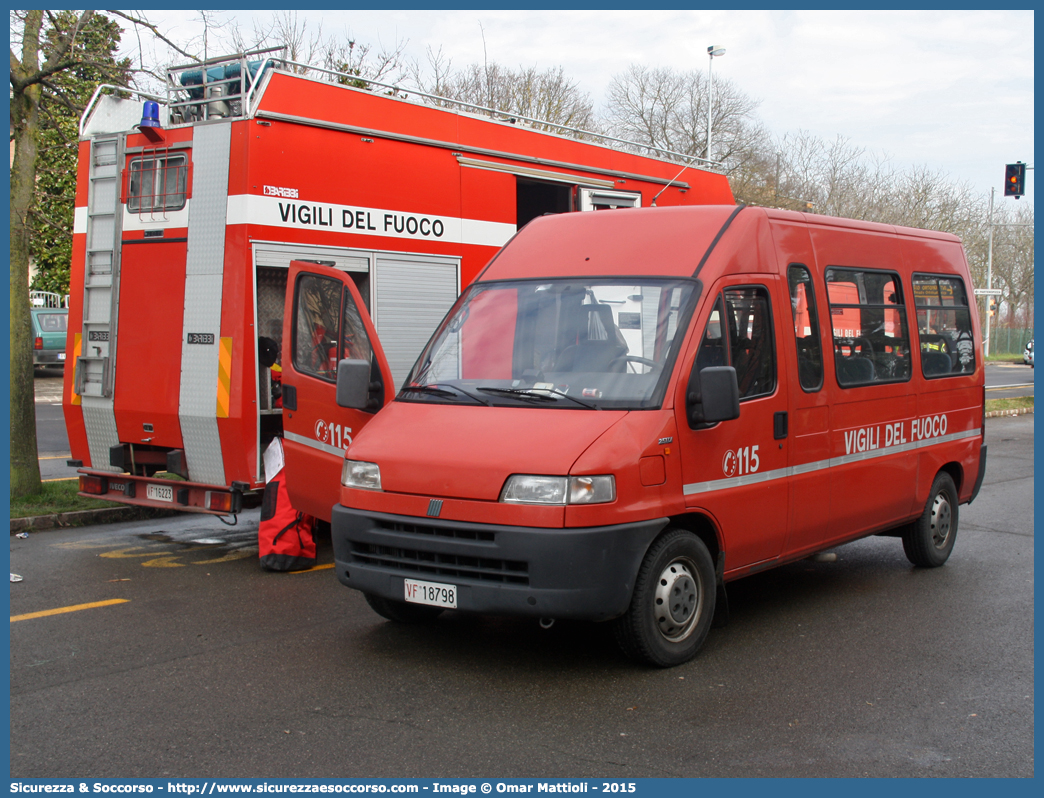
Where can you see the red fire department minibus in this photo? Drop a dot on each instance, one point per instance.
(628, 409)
(190, 208)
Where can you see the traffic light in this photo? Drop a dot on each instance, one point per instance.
(992, 303)
(1015, 180)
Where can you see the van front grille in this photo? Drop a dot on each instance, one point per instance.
(437, 531)
(418, 563)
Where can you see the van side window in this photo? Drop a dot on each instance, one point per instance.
(943, 325)
(806, 328)
(157, 184)
(868, 320)
(327, 327)
(713, 348)
(739, 334)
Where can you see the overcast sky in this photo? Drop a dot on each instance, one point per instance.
(952, 90)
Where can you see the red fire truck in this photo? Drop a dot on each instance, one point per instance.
(190, 208)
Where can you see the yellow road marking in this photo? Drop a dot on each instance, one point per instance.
(164, 561)
(325, 567)
(237, 554)
(60, 610)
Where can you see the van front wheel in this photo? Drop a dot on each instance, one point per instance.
(929, 540)
(673, 602)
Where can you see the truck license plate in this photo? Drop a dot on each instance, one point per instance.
(431, 593)
(61, 355)
(159, 493)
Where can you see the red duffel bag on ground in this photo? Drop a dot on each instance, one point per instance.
(285, 540)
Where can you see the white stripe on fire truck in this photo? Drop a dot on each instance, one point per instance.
(137, 221)
(303, 214)
(833, 462)
(322, 447)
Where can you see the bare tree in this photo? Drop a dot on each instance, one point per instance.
(44, 46)
(309, 44)
(668, 109)
(1013, 255)
(546, 95)
(41, 58)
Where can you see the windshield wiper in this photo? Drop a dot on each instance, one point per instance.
(433, 389)
(540, 394)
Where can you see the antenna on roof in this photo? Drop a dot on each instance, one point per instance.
(652, 203)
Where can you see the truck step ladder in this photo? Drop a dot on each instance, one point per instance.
(96, 360)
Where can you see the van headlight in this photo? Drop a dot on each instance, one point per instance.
(357, 474)
(532, 489)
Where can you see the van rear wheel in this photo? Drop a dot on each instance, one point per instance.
(929, 540)
(400, 611)
(673, 602)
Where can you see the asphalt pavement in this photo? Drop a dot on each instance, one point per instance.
(160, 649)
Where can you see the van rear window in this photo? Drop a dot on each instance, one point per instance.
(944, 330)
(868, 320)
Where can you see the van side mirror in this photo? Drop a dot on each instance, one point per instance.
(712, 395)
(353, 383)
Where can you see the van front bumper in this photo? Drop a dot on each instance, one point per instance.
(583, 574)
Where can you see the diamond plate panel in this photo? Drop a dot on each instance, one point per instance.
(100, 425)
(207, 211)
(271, 298)
(204, 269)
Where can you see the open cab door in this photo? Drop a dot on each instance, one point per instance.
(325, 321)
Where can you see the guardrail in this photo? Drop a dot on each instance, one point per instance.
(48, 299)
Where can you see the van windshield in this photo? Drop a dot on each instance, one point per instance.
(570, 343)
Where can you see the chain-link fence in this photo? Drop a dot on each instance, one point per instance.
(1009, 340)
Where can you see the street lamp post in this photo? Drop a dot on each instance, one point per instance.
(712, 51)
(989, 278)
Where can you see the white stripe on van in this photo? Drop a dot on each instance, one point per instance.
(314, 444)
(833, 462)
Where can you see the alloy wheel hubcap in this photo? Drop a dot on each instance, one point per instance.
(942, 516)
(678, 600)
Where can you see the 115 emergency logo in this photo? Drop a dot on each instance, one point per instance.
(742, 461)
(333, 434)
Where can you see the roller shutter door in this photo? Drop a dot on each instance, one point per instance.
(279, 256)
(412, 294)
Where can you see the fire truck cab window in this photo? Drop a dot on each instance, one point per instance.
(157, 184)
(806, 328)
(739, 334)
(943, 325)
(868, 320)
(327, 327)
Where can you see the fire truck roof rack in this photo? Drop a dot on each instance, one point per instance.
(216, 87)
(503, 116)
(226, 86)
(89, 109)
